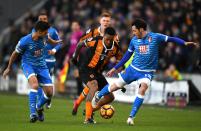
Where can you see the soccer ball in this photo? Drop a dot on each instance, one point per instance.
(107, 111)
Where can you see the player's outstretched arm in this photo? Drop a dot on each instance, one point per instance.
(55, 49)
(180, 41)
(125, 58)
(11, 60)
(58, 46)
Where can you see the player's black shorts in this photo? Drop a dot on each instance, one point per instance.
(89, 75)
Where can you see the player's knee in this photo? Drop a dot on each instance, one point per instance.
(90, 95)
(48, 91)
(93, 85)
(89, 98)
(95, 88)
(50, 94)
(34, 85)
(33, 82)
(114, 87)
(143, 87)
(119, 83)
(142, 91)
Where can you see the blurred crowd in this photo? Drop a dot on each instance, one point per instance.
(180, 18)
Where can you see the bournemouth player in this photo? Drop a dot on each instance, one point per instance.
(145, 46)
(49, 52)
(31, 48)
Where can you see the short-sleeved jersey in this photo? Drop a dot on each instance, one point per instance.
(94, 32)
(54, 35)
(32, 51)
(97, 55)
(146, 51)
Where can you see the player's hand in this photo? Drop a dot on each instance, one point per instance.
(192, 43)
(6, 72)
(58, 41)
(51, 52)
(111, 72)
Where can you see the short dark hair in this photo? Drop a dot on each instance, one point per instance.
(110, 31)
(139, 23)
(42, 13)
(42, 26)
(106, 14)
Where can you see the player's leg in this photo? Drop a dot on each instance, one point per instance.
(107, 98)
(93, 87)
(40, 93)
(50, 66)
(46, 82)
(48, 91)
(84, 76)
(49, 104)
(82, 95)
(79, 100)
(144, 82)
(137, 103)
(33, 82)
(108, 89)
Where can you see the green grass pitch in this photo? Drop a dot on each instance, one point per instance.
(14, 116)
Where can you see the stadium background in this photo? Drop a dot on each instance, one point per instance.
(180, 18)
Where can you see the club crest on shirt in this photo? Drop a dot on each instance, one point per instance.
(90, 39)
(91, 76)
(45, 43)
(150, 39)
(102, 57)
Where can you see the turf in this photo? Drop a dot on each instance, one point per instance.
(14, 116)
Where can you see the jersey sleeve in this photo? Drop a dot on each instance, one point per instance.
(87, 35)
(58, 47)
(125, 58)
(55, 35)
(161, 38)
(176, 40)
(131, 47)
(21, 46)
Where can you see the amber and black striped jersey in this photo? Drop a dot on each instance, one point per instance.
(97, 55)
(94, 32)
